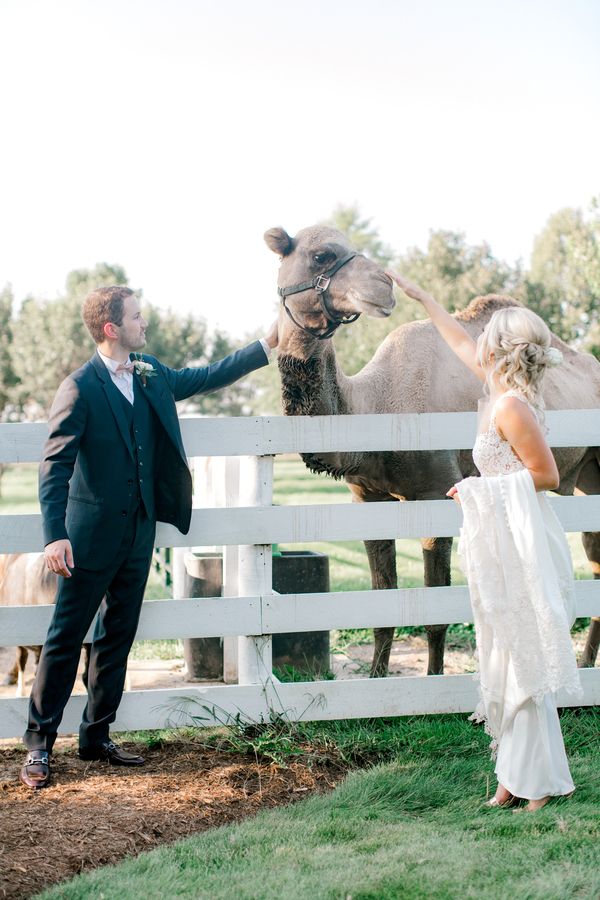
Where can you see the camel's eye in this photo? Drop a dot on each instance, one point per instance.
(324, 257)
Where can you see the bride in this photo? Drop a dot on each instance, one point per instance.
(515, 554)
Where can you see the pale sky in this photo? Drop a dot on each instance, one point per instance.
(168, 135)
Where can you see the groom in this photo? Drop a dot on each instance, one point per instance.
(113, 464)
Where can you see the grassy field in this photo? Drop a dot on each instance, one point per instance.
(409, 827)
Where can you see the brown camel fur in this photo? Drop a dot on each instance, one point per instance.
(413, 371)
(25, 580)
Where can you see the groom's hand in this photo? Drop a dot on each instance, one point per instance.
(59, 557)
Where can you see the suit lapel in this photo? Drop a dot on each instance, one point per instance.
(114, 401)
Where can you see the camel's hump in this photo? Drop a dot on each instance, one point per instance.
(485, 305)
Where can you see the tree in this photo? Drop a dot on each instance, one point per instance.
(361, 234)
(7, 375)
(563, 284)
(8, 379)
(454, 272)
(50, 339)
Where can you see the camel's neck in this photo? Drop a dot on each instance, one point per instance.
(313, 386)
(317, 387)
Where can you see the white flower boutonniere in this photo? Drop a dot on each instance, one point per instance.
(144, 369)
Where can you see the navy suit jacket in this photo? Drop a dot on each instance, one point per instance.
(87, 457)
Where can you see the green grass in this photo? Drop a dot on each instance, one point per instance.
(409, 827)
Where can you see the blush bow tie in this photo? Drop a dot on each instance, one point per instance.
(125, 367)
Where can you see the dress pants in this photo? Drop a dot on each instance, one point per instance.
(117, 592)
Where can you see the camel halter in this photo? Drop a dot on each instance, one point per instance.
(320, 283)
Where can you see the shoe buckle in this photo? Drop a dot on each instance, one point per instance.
(41, 760)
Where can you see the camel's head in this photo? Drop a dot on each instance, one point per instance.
(353, 284)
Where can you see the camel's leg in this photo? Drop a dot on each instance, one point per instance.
(436, 558)
(382, 562)
(13, 674)
(591, 545)
(588, 482)
(20, 664)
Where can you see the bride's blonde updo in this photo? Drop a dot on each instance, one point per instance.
(515, 347)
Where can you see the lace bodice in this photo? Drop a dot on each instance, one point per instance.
(492, 454)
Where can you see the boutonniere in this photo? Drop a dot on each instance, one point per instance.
(144, 369)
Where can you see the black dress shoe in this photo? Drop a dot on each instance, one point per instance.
(35, 774)
(112, 753)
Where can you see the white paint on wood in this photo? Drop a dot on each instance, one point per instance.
(279, 613)
(316, 522)
(322, 700)
(390, 608)
(255, 654)
(249, 435)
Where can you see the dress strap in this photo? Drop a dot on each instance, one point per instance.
(512, 392)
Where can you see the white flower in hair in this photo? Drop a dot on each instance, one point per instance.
(553, 357)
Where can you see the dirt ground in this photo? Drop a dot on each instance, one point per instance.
(95, 814)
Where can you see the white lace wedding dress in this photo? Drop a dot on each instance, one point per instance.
(531, 760)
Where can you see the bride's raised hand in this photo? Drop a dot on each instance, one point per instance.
(409, 288)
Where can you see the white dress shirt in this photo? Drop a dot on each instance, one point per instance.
(266, 348)
(122, 380)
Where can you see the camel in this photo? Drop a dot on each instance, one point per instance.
(26, 581)
(413, 371)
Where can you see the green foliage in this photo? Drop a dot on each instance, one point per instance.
(362, 235)
(8, 379)
(455, 272)
(47, 340)
(563, 285)
(50, 339)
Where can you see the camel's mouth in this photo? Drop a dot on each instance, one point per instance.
(377, 309)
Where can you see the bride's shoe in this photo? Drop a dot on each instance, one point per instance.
(494, 803)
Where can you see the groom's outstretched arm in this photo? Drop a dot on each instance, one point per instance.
(187, 382)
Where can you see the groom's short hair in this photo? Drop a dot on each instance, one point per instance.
(102, 305)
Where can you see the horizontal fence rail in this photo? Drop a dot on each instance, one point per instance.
(317, 700)
(279, 613)
(268, 435)
(316, 522)
(253, 528)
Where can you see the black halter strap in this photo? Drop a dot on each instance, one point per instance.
(320, 284)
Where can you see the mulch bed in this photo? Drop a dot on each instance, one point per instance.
(94, 814)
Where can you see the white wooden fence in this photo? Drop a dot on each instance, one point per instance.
(250, 612)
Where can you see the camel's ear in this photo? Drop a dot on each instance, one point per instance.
(279, 241)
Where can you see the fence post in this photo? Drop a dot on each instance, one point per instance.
(255, 569)
(230, 569)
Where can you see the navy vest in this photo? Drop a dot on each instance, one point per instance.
(145, 431)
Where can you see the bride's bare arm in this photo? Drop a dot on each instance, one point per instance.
(518, 425)
(457, 338)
